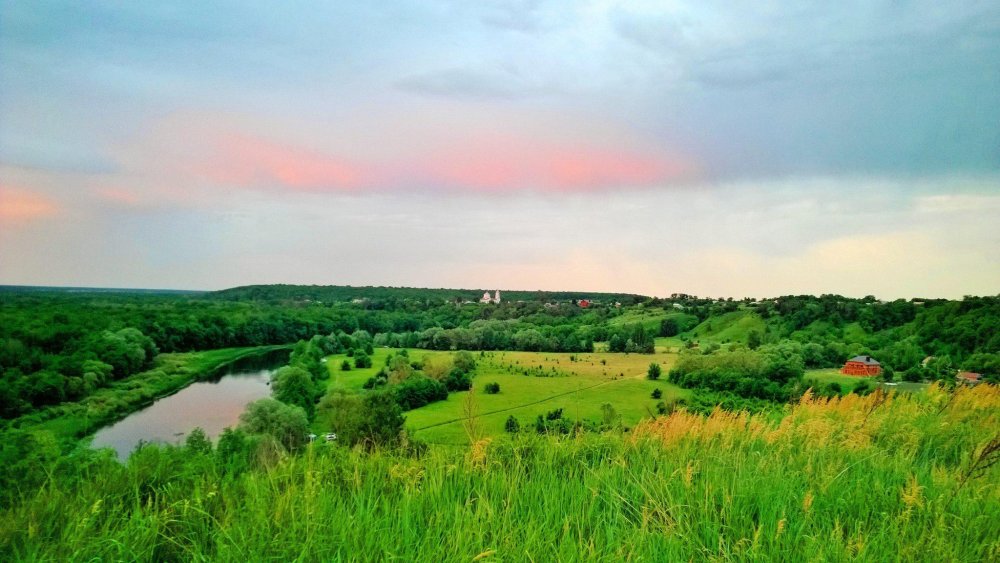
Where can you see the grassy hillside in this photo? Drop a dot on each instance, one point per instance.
(728, 327)
(861, 478)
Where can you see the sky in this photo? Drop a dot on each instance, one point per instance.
(713, 148)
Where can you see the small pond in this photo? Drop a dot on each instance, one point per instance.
(212, 405)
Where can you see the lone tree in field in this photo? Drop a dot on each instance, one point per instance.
(654, 371)
(512, 425)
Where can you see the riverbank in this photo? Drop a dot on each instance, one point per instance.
(171, 373)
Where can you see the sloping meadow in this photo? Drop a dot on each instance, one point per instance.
(881, 477)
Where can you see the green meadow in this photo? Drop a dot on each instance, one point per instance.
(531, 384)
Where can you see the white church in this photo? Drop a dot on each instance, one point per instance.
(487, 299)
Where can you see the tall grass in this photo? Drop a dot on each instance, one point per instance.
(877, 478)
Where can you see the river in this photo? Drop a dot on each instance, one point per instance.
(212, 405)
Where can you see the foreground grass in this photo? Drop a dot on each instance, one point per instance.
(860, 478)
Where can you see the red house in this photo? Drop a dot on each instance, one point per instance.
(862, 366)
(969, 377)
(583, 303)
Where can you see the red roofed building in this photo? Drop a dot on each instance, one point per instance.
(861, 366)
(583, 303)
(969, 377)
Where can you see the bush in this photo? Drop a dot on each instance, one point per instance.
(362, 360)
(375, 381)
(657, 393)
(654, 371)
(863, 387)
(512, 425)
(492, 388)
(458, 380)
(345, 366)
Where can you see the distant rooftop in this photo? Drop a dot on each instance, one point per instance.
(867, 360)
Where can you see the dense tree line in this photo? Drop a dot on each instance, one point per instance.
(61, 346)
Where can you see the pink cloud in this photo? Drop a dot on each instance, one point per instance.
(530, 166)
(249, 161)
(120, 197)
(471, 152)
(22, 205)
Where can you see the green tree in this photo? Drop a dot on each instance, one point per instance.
(294, 385)
(197, 441)
(754, 340)
(285, 423)
(669, 327)
(382, 418)
(512, 426)
(654, 371)
(362, 360)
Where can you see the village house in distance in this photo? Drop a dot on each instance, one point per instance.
(487, 299)
(863, 366)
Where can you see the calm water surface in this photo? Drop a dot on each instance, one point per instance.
(212, 405)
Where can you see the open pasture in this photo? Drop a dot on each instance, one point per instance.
(535, 383)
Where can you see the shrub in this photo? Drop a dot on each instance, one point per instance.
(375, 381)
(362, 360)
(458, 380)
(657, 393)
(863, 387)
(345, 366)
(492, 388)
(654, 371)
(512, 425)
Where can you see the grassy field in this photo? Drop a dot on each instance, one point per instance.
(353, 380)
(552, 381)
(905, 478)
(531, 383)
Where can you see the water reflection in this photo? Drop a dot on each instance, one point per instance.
(212, 405)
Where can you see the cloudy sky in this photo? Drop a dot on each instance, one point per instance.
(715, 148)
